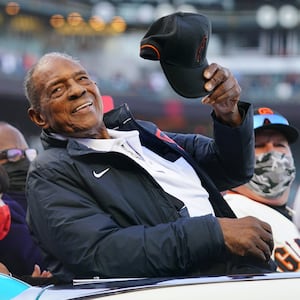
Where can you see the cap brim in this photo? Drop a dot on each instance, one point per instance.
(187, 82)
(288, 131)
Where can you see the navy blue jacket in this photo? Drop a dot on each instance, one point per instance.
(124, 224)
(18, 251)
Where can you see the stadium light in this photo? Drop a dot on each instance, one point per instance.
(266, 16)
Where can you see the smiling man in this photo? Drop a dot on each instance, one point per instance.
(75, 118)
(112, 196)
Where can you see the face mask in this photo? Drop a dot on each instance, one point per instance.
(17, 173)
(274, 173)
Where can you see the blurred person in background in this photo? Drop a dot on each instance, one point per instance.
(112, 196)
(296, 208)
(266, 195)
(4, 209)
(19, 254)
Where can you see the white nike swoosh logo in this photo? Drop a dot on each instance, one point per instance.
(98, 175)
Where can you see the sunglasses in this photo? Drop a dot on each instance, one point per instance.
(261, 120)
(14, 155)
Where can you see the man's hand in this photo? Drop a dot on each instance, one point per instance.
(248, 236)
(225, 94)
(37, 272)
(3, 269)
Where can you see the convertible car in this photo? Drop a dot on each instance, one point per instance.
(276, 286)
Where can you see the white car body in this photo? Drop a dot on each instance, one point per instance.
(275, 286)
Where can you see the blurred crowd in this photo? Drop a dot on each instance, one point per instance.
(268, 87)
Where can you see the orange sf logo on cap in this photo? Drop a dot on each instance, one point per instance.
(265, 111)
(153, 48)
(200, 48)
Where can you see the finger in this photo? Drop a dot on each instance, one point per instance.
(36, 271)
(255, 251)
(265, 250)
(219, 96)
(46, 274)
(270, 242)
(267, 237)
(49, 274)
(220, 76)
(227, 90)
(211, 70)
(261, 251)
(208, 100)
(267, 227)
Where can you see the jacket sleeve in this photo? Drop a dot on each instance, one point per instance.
(4, 221)
(228, 158)
(18, 251)
(74, 230)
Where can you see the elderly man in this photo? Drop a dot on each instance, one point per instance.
(115, 197)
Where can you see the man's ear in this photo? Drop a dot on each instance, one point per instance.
(37, 118)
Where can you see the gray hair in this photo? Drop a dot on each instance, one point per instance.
(32, 92)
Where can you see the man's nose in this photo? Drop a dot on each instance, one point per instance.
(269, 146)
(76, 90)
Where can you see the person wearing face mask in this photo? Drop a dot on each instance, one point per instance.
(266, 195)
(19, 254)
(296, 208)
(4, 209)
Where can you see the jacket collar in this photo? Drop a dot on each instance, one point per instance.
(122, 119)
(114, 119)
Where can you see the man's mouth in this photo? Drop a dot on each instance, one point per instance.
(82, 106)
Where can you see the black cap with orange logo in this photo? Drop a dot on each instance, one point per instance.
(266, 118)
(179, 41)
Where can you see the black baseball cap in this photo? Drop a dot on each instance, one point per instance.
(179, 41)
(266, 118)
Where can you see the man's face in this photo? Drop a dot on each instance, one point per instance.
(70, 103)
(267, 140)
(10, 138)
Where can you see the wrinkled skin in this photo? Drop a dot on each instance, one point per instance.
(225, 94)
(248, 236)
(70, 102)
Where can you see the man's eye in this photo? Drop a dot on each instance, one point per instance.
(84, 79)
(56, 92)
(280, 145)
